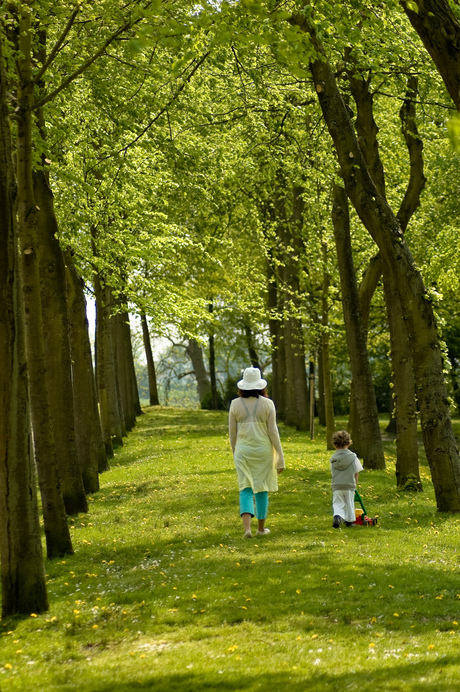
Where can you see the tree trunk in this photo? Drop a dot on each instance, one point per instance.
(312, 396)
(296, 398)
(403, 378)
(277, 349)
(132, 373)
(290, 411)
(391, 427)
(320, 405)
(300, 378)
(383, 226)
(439, 30)
(23, 583)
(253, 357)
(56, 528)
(153, 391)
(106, 367)
(367, 441)
(131, 378)
(300, 371)
(124, 359)
(90, 443)
(101, 339)
(212, 367)
(23, 575)
(325, 380)
(407, 465)
(195, 353)
(57, 348)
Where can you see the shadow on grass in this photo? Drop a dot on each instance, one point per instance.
(173, 422)
(282, 583)
(426, 675)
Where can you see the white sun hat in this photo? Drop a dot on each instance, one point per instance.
(252, 379)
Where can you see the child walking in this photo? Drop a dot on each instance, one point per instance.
(345, 468)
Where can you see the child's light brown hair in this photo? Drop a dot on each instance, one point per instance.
(341, 439)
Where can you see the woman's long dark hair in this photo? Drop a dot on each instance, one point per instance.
(246, 393)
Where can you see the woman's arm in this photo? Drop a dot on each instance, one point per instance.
(274, 436)
(232, 428)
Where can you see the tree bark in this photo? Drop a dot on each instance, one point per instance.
(320, 404)
(57, 348)
(56, 528)
(90, 443)
(366, 127)
(325, 379)
(367, 441)
(253, 356)
(276, 339)
(407, 464)
(383, 226)
(284, 295)
(403, 378)
(300, 371)
(101, 376)
(23, 583)
(195, 353)
(132, 373)
(296, 411)
(124, 360)
(439, 31)
(312, 396)
(114, 404)
(153, 390)
(212, 366)
(23, 574)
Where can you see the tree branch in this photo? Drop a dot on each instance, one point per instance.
(161, 112)
(57, 47)
(439, 30)
(71, 78)
(414, 144)
(366, 127)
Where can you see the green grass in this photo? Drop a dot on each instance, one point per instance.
(164, 594)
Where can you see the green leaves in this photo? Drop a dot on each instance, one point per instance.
(453, 128)
(411, 5)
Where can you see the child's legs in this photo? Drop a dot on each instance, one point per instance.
(247, 501)
(343, 504)
(261, 504)
(350, 506)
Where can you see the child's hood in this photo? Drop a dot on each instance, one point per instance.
(342, 459)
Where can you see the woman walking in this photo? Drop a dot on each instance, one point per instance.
(256, 447)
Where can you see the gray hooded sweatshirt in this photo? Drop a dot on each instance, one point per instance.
(343, 470)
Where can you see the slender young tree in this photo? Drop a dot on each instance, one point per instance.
(107, 374)
(90, 443)
(367, 440)
(153, 390)
(325, 379)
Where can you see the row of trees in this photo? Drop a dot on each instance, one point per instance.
(177, 162)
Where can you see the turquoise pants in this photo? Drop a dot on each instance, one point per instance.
(247, 497)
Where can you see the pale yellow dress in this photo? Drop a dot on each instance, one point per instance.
(255, 442)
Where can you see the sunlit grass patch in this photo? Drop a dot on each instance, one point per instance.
(163, 593)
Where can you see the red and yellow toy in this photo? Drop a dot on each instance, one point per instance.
(361, 515)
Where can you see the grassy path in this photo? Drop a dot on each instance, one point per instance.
(163, 593)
